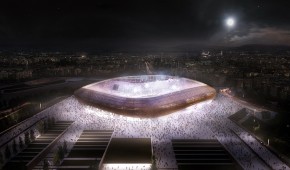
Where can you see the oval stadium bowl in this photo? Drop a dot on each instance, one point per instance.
(146, 95)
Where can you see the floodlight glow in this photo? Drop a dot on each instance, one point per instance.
(146, 85)
(174, 87)
(145, 95)
(137, 166)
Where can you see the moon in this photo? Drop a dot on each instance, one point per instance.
(230, 22)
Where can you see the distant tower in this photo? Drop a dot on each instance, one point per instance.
(148, 66)
(205, 54)
(26, 64)
(221, 53)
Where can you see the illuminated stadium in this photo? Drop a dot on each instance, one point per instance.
(145, 95)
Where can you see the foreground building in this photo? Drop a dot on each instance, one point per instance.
(128, 153)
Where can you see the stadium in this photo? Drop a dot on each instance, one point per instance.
(145, 95)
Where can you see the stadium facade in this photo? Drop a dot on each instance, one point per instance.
(146, 95)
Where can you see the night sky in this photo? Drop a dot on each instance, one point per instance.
(123, 24)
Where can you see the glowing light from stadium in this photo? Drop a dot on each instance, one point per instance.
(146, 85)
(143, 95)
(127, 166)
(162, 85)
(174, 87)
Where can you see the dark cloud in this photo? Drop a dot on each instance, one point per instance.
(267, 35)
(115, 23)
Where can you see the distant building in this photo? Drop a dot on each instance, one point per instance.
(205, 54)
(128, 153)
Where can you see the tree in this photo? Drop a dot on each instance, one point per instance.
(58, 155)
(26, 138)
(21, 145)
(60, 152)
(1, 159)
(45, 164)
(64, 147)
(7, 152)
(14, 147)
(94, 166)
(50, 121)
(56, 159)
(32, 135)
(153, 166)
(40, 127)
(45, 124)
(53, 120)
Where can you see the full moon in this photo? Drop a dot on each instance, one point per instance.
(230, 22)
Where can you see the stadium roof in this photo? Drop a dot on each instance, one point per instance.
(145, 96)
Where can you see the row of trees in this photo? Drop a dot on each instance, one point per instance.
(17, 116)
(9, 151)
(11, 103)
(29, 110)
(61, 149)
(29, 137)
(153, 160)
(44, 125)
(1, 159)
(60, 153)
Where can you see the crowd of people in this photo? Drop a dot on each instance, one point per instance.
(201, 121)
(249, 152)
(260, 149)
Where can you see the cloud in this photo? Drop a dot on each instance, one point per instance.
(267, 35)
(251, 34)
